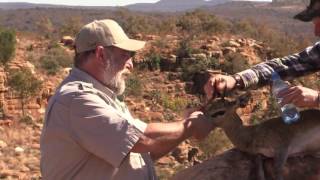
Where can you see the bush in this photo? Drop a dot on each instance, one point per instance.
(55, 59)
(50, 65)
(25, 84)
(151, 62)
(192, 66)
(26, 119)
(234, 63)
(155, 96)
(176, 104)
(185, 50)
(154, 61)
(7, 45)
(173, 103)
(133, 86)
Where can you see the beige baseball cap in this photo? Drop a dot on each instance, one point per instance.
(105, 32)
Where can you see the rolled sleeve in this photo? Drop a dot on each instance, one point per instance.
(142, 126)
(101, 130)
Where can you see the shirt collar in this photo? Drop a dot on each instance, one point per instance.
(83, 76)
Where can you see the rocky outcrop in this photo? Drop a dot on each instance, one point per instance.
(235, 164)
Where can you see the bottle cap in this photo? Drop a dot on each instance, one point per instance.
(275, 76)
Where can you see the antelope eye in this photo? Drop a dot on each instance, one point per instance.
(218, 113)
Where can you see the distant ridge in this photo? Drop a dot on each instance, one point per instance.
(161, 6)
(24, 5)
(174, 5)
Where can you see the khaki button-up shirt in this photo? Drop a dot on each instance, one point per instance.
(88, 134)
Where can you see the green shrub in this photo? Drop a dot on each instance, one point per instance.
(50, 65)
(173, 103)
(55, 59)
(7, 45)
(151, 61)
(154, 62)
(155, 96)
(184, 50)
(25, 84)
(134, 86)
(26, 119)
(191, 66)
(234, 62)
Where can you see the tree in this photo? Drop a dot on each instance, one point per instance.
(25, 84)
(7, 45)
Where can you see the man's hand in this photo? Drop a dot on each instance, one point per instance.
(200, 126)
(160, 138)
(300, 96)
(219, 84)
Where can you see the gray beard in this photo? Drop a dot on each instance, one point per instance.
(117, 83)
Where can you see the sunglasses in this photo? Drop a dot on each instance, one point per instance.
(132, 54)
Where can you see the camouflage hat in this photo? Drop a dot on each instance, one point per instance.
(105, 32)
(312, 11)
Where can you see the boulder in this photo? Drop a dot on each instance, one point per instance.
(199, 56)
(228, 50)
(234, 164)
(3, 144)
(215, 38)
(67, 41)
(151, 37)
(30, 66)
(233, 43)
(168, 63)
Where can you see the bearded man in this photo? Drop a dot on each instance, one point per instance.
(88, 133)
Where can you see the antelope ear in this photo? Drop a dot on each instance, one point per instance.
(244, 99)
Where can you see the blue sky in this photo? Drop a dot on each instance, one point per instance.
(90, 2)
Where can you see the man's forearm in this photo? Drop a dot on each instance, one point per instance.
(166, 136)
(160, 138)
(173, 129)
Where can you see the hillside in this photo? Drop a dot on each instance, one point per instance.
(228, 37)
(277, 16)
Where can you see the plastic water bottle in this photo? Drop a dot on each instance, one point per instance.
(289, 112)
